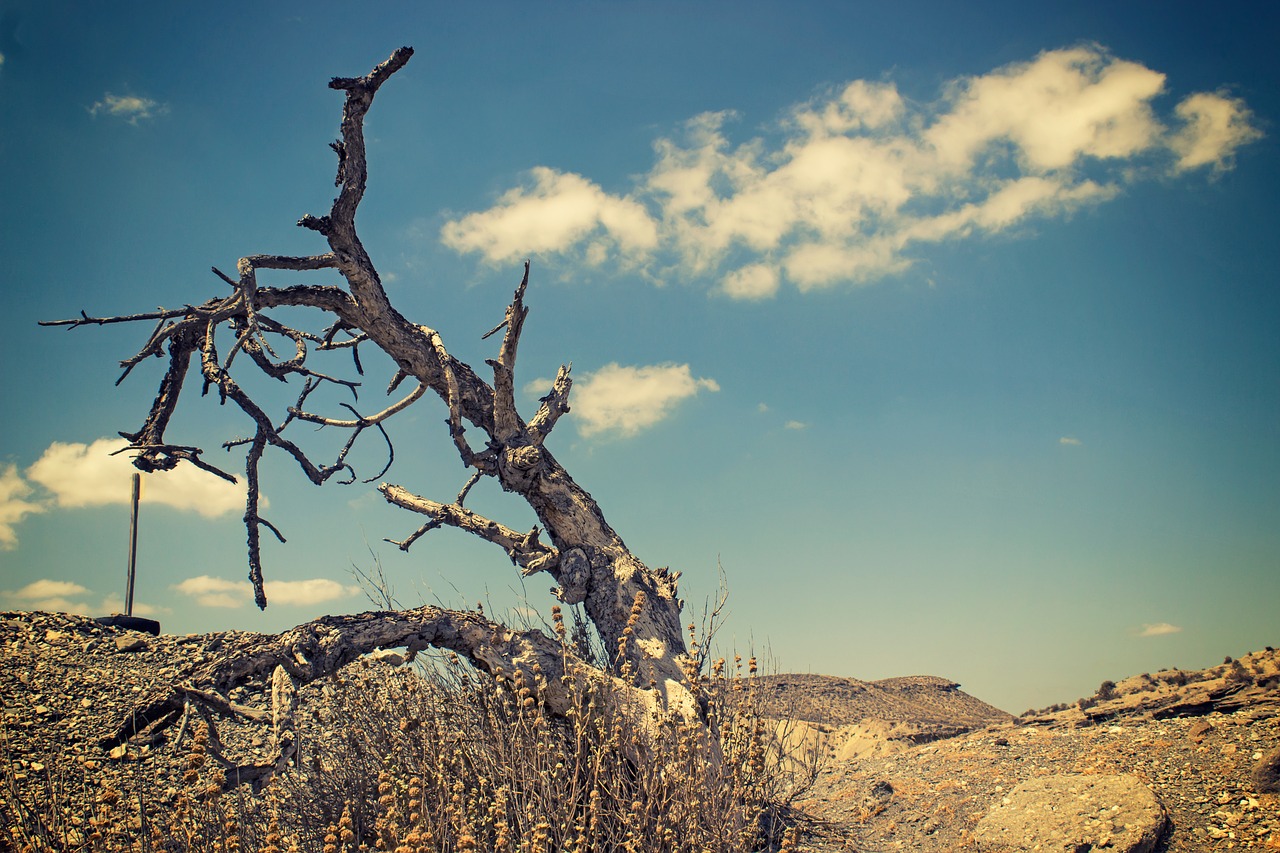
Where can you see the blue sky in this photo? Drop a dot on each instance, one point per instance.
(950, 332)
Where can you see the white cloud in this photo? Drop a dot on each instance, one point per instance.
(626, 400)
(1158, 629)
(49, 595)
(114, 603)
(219, 592)
(80, 475)
(131, 108)
(57, 596)
(1054, 110)
(1069, 441)
(305, 592)
(756, 281)
(861, 177)
(216, 592)
(795, 425)
(557, 210)
(1215, 126)
(13, 505)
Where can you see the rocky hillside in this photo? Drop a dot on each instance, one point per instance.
(921, 700)
(1173, 761)
(846, 718)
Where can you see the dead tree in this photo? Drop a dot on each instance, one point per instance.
(634, 609)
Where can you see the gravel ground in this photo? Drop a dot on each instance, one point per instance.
(929, 798)
(66, 682)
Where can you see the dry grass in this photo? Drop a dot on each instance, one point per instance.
(441, 758)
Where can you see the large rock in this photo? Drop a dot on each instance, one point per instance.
(1076, 814)
(1266, 773)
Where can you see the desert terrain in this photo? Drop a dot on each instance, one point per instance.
(1175, 761)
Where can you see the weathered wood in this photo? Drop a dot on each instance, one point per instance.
(320, 648)
(636, 611)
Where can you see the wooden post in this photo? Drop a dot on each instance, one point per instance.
(133, 543)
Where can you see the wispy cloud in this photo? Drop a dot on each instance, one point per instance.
(851, 183)
(131, 108)
(624, 400)
(220, 592)
(115, 604)
(58, 596)
(795, 425)
(79, 475)
(47, 594)
(1070, 441)
(14, 505)
(1158, 629)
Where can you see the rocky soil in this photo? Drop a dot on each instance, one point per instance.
(1188, 758)
(1203, 743)
(66, 682)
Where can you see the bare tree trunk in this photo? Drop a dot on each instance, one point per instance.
(635, 610)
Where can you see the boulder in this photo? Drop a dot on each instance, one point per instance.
(1266, 773)
(130, 643)
(1074, 814)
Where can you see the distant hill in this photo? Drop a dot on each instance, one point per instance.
(850, 717)
(924, 700)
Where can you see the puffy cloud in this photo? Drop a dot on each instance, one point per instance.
(80, 475)
(625, 400)
(46, 594)
(219, 592)
(555, 212)
(114, 603)
(859, 179)
(13, 505)
(795, 425)
(860, 105)
(1158, 629)
(216, 592)
(1062, 106)
(131, 108)
(757, 281)
(816, 265)
(310, 591)
(1215, 126)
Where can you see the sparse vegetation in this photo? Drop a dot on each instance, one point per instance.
(443, 758)
(1237, 674)
(1107, 690)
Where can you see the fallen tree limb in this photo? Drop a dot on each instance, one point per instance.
(278, 665)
